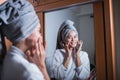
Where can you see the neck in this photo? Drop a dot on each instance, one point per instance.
(2, 1)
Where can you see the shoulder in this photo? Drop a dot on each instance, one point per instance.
(17, 61)
(17, 65)
(83, 53)
(22, 69)
(59, 52)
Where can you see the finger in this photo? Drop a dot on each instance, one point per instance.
(67, 43)
(80, 44)
(33, 51)
(40, 47)
(66, 47)
(37, 48)
(39, 43)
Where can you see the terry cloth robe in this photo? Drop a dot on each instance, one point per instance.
(17, 67)
(72, 72)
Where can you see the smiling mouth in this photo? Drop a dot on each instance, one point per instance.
(73, 43)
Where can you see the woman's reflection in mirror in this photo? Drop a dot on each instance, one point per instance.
(25, 59)
(69, 61)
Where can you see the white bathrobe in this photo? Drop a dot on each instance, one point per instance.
(72, 72)
(17, 67)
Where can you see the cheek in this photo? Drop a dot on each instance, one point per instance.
(76, 39)
(68, 40)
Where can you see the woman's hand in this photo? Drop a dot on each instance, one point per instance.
(37, 55)
(68, 51)
(77, 56)
(78, 47)
(68, 55)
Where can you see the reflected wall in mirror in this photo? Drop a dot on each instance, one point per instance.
(83, 19)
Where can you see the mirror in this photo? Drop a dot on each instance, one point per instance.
(83, 18)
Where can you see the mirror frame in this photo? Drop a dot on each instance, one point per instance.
(103, 30)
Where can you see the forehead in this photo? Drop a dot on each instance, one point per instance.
(72, 32)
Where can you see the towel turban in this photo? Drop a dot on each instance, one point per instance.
(18, 19)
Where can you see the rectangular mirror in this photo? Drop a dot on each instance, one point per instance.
(83, 19)
(89, 22)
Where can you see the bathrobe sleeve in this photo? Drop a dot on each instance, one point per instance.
(83, 71)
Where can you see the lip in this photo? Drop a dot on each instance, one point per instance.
(73, 43)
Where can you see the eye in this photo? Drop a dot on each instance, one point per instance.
(75, 36)
(68, 36)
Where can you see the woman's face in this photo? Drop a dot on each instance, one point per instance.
(72, 39)
(34, 37)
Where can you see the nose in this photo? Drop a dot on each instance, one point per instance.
(72, 38)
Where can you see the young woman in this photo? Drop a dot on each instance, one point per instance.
(69, 62)
(25, 59)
